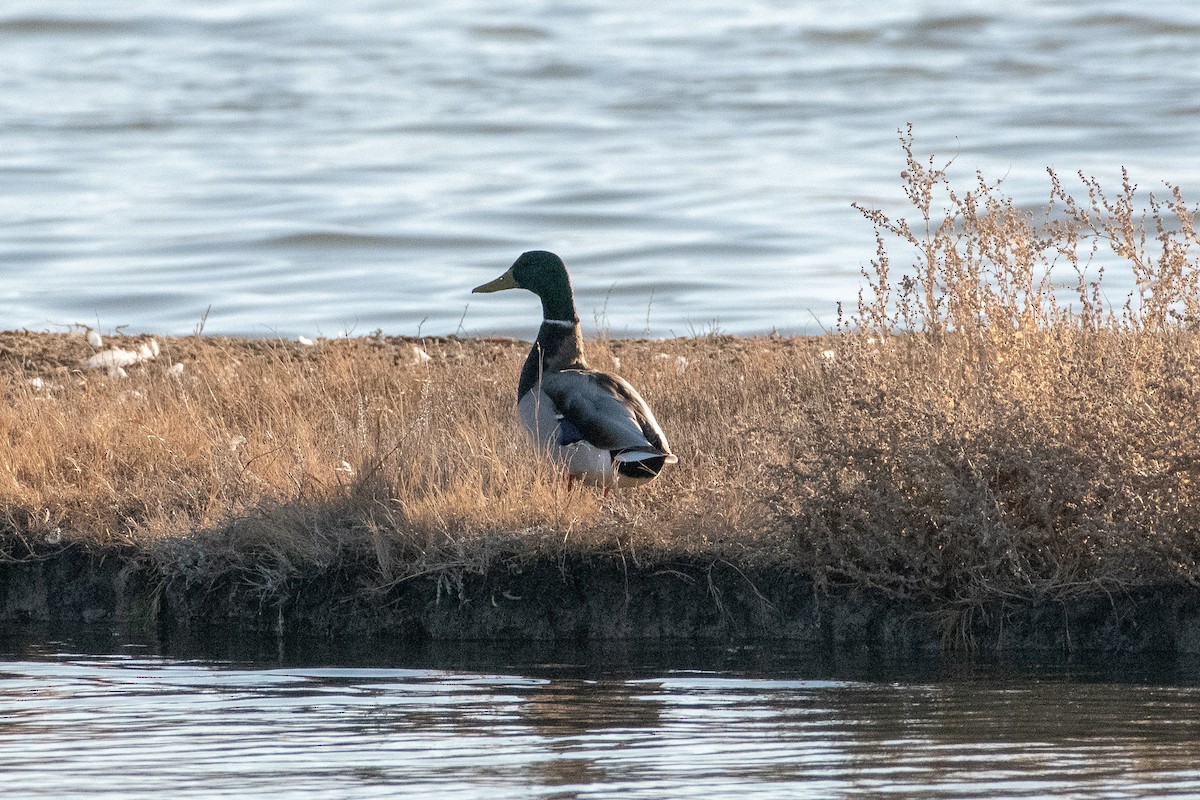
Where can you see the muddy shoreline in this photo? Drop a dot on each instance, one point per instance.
(582, 600)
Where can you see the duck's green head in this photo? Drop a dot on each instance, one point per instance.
(544, 274)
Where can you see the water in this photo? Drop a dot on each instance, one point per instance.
(130, 719)
(304, 167)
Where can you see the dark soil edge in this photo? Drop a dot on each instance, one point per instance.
(582, 600)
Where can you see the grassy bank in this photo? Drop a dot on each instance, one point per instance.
(986, 425)
(409, 449)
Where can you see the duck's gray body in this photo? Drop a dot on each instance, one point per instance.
(593, 422)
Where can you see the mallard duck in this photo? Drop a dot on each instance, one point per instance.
(593, 422)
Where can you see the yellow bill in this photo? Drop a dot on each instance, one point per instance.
(505, 281)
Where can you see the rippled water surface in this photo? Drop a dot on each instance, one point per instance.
(302, 167)
(127, 720)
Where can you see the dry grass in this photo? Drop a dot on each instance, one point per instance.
(270, 457)
(1004, 430)
(985, 426)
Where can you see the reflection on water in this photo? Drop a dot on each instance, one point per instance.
(113, 718)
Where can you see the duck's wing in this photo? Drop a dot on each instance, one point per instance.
(604, 410)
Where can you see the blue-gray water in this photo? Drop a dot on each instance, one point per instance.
(316, 168)
(125, 719)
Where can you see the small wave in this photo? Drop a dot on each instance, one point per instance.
(64, 25)
(519, 33)
(1139, 24)
(336, 239)
(844, 36)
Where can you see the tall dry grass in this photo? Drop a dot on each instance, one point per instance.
(988, 424)
(1006, 425)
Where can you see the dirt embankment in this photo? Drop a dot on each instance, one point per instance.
(587, 601)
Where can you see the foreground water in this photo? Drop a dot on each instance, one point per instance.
(303, 167)
(109, 717)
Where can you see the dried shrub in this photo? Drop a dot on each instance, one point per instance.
(999, 431)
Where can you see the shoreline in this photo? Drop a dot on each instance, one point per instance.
(579, 600)
(894, 494)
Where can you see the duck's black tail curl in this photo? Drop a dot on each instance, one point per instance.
(643, 468)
